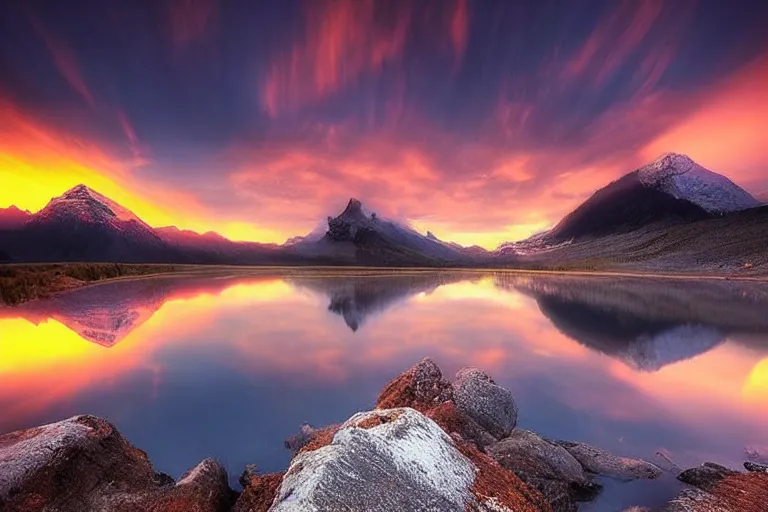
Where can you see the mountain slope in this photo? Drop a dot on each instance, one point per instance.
(362, 238)
(213, 248)
(671, 190)
(83, 225)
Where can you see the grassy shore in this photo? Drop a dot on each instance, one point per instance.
(25, 282)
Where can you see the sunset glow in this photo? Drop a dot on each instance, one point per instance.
(263, 143)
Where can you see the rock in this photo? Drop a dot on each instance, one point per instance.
(547, 467)
(491, 406)
(202, 489)
(421, 387)
(705, 476)
(307, 433)
(250, 471)
(731, 492)
(398, 459)
(322, 437)
(258, 493)
(524, 452)
(558, 493)
(755, 467)
(603, 463)
(453, 421)
(84, 463)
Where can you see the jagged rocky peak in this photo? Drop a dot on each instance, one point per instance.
(349, 222)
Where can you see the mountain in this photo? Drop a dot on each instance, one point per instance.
(359, 237)
(13, 218)
(670, 190)
(211, 247)
(83, 225)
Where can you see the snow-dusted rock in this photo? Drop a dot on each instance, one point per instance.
(683, 178)
(603, 463)
(392, 459)
(479, 397)
(84, 464)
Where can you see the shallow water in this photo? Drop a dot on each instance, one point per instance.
(229, 366)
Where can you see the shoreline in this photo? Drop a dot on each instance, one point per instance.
(184, 270)
(428, 444)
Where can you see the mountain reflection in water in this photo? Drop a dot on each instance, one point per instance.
(230, 365)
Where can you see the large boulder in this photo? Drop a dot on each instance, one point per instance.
(603, 463)
(479, 397)
(420, 387)
(549, 468)
(524, 452)
(84, 464)
(398, 459)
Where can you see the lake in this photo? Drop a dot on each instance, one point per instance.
(229, 365)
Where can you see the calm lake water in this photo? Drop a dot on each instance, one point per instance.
(229, 366)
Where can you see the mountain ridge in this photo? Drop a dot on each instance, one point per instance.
(622, 225)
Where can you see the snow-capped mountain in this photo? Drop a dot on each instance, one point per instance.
(681, 177)
(362, 237)
(670, 190)
(83, 225)
(13, 218)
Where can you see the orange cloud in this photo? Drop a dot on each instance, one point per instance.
(726, 133)
(37, 162)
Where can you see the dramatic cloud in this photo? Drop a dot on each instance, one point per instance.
(480, 121)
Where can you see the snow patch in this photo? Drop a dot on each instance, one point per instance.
(409, 449)
(683, 178)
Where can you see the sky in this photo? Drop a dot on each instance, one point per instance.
(483, 121)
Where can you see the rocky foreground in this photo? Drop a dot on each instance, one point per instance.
(430, 445)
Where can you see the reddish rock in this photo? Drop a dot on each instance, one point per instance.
(322, 437)
(259, 493)
(421, 387)
(84, 463)
(307, 435)
(738, 492)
